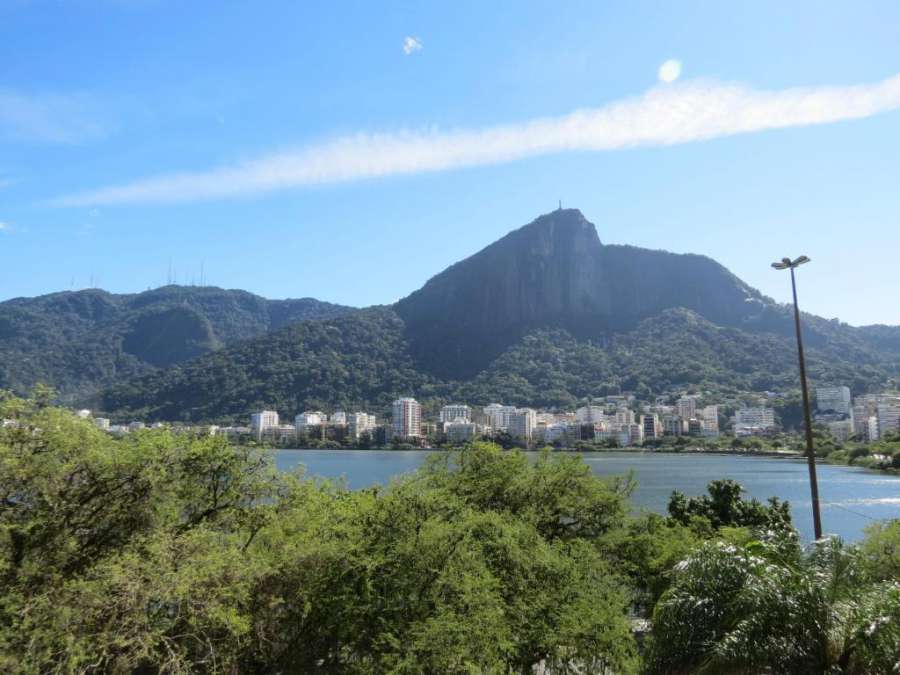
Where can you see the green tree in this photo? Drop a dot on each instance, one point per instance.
(723, 506)
(164, 552)
(763, 608)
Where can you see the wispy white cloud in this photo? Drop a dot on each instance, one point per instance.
(665, 115)
(5, 227)
(50, 118)
(411, 44)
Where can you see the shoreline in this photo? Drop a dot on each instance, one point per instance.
(631, 449)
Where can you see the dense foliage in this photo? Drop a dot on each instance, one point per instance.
(164, 553)
(765, 607)
(724, 507)
(80, 341)
(351, 362)
(172, 554)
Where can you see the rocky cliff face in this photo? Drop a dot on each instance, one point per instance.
(555, 272)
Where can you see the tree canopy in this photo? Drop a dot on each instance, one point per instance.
(176, 553)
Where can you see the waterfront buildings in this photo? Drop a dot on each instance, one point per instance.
(709, 421)
(624, 417)
(360, 423)
(632, 434)
(282, 432)
(262, 422)
(686, 407)
(497, 416)
(652, 426)
(456, 411)
(521, 423)
(867, 417)
(888, 413)
(407, 418)
(590, 414)
(834, 400)
(749, 421)
(460, 431)
(874, 415)
(309, 418)
(674, 426)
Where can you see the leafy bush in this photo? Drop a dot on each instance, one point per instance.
(171, 553)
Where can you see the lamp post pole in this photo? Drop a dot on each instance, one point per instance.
(787, 263)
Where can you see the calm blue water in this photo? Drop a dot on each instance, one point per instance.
(851, 498)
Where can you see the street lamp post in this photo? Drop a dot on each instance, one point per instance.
(787, 263)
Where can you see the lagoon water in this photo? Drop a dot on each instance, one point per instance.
(852, 498)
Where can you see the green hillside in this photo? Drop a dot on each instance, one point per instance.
(81, 341)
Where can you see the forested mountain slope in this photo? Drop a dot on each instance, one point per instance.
(83, 340)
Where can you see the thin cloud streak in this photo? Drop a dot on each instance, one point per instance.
(665, 115)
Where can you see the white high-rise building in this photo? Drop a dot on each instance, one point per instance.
(624, 417)
(753, 420)
(631, 435)
(339, 418)
(686, 407)
(865, 409)
(283, 432)
(498, 416)
(460, 430)
(834, 399)
(263, 421)
(709, 420)
(309, 418)
(673, 425)
(521, 423)
(710, 412)
(407, 418)
(652, 426)
(591, 414)
(558, 432)
(637, 434)
(102, 423)
(868, 432)
(888, 416)
(360, 423)
(456, 411)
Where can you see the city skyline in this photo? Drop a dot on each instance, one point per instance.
(629, 420)
(408, 135)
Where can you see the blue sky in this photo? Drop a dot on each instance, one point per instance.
(297, 149)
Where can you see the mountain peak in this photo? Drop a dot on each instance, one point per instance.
(554, 272)
(559, 224)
